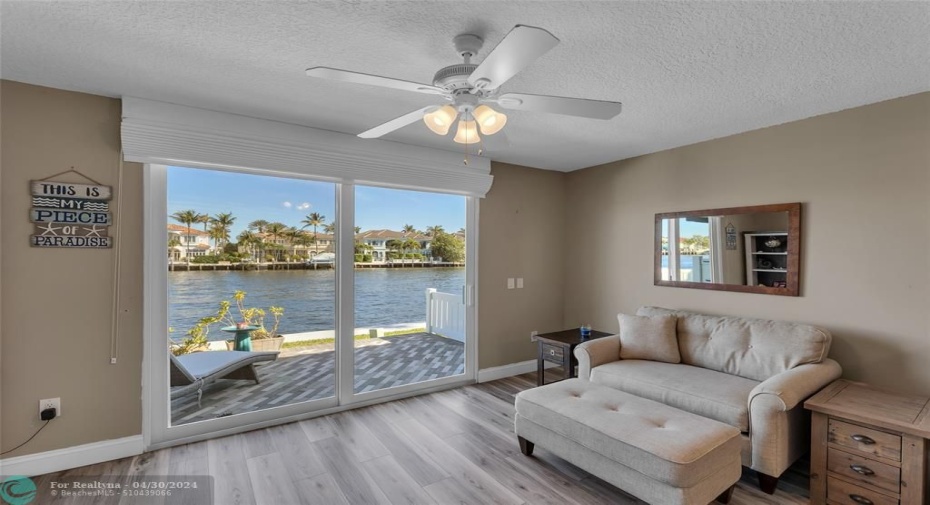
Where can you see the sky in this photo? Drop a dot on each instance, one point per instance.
(687, 228)
(251, 197)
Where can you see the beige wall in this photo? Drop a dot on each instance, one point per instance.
(521, 235)
(581, 241)
(56, 303)
(863, 176)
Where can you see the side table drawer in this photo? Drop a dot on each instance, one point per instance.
(857, 468)
(867, 440)
(553, 353)
(841, 492)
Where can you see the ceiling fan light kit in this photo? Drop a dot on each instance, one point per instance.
(467, 132)
(471, 87)
(489, 120)
(441, 119)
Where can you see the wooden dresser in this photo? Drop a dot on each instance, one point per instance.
(868, 446)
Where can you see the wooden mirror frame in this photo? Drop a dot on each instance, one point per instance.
(793, 274)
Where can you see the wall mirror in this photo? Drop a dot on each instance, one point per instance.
(747, 249)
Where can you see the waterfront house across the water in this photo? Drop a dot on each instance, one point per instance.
(184, 242)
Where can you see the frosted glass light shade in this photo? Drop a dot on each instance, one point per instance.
(489, 120)
(467, 133)
(441, 119)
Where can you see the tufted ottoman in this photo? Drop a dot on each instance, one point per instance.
(655, 452)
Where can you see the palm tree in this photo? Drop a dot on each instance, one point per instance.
(248, 239)
(203, 219)
(314, 219)
(258, 226)
(172, 243)
(330, 228)
(394, 246)
(358, 229)
(411, 245)
(218, 234)
(276, 230)
(432, 231)
(224, 221)
(188, 217)
(409, 229)
(296, 238)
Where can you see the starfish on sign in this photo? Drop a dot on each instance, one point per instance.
(49, 229)
(93, 231)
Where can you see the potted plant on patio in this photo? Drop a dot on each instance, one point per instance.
(196, 339)
(263, 339)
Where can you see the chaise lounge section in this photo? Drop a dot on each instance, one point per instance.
(191, 372)
(752, 374)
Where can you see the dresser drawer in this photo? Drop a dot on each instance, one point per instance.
(841, 492)
(552, 353)
(860, 469)
(867, 440)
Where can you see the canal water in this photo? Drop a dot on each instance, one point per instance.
(383, 296)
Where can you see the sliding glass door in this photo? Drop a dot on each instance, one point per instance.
(409, 288)
(251, 292)
(285, 297)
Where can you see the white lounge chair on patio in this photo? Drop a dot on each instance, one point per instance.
(191, 372)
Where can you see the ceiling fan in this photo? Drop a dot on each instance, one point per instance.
(472, 87)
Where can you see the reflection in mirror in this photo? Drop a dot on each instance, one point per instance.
(751, 249)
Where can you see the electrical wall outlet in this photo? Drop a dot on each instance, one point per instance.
(533, 335)
(50, 403)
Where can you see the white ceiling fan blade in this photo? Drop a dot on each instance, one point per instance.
(335, 74)
(520, 47)
(596, 109)
(395, 124)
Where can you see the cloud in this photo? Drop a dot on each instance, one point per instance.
(303, 206)
(287, 204)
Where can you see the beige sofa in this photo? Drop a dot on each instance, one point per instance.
(753, 374)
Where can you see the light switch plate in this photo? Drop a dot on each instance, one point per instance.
(510, 283)
(519, 282)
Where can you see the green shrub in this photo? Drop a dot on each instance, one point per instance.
(366, 258)
(359, 258)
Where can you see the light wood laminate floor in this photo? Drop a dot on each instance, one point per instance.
(452, 447)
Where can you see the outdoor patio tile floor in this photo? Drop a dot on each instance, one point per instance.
(391, 362)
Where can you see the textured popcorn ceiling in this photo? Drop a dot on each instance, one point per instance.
(685, 71)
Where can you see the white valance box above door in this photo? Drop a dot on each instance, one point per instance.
(164, 133)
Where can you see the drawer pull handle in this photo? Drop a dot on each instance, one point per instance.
(862, 470)
(552, 352)
(860, 499)
(862, 439)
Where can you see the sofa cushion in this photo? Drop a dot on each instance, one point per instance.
(648, 337)
(715, 395)
(752, 348)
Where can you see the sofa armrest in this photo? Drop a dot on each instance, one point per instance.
(596, 352)
(779, 427)
(796, 385)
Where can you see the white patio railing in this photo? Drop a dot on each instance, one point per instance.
(445, 314)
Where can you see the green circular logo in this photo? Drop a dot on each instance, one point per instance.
(18, 490)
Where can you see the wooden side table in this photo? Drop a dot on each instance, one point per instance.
(558, 347)
(868, 446)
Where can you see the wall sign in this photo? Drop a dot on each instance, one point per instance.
(731, 237)
(67, 214)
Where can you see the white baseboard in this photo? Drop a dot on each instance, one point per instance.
(500, 372)
(72, 457)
